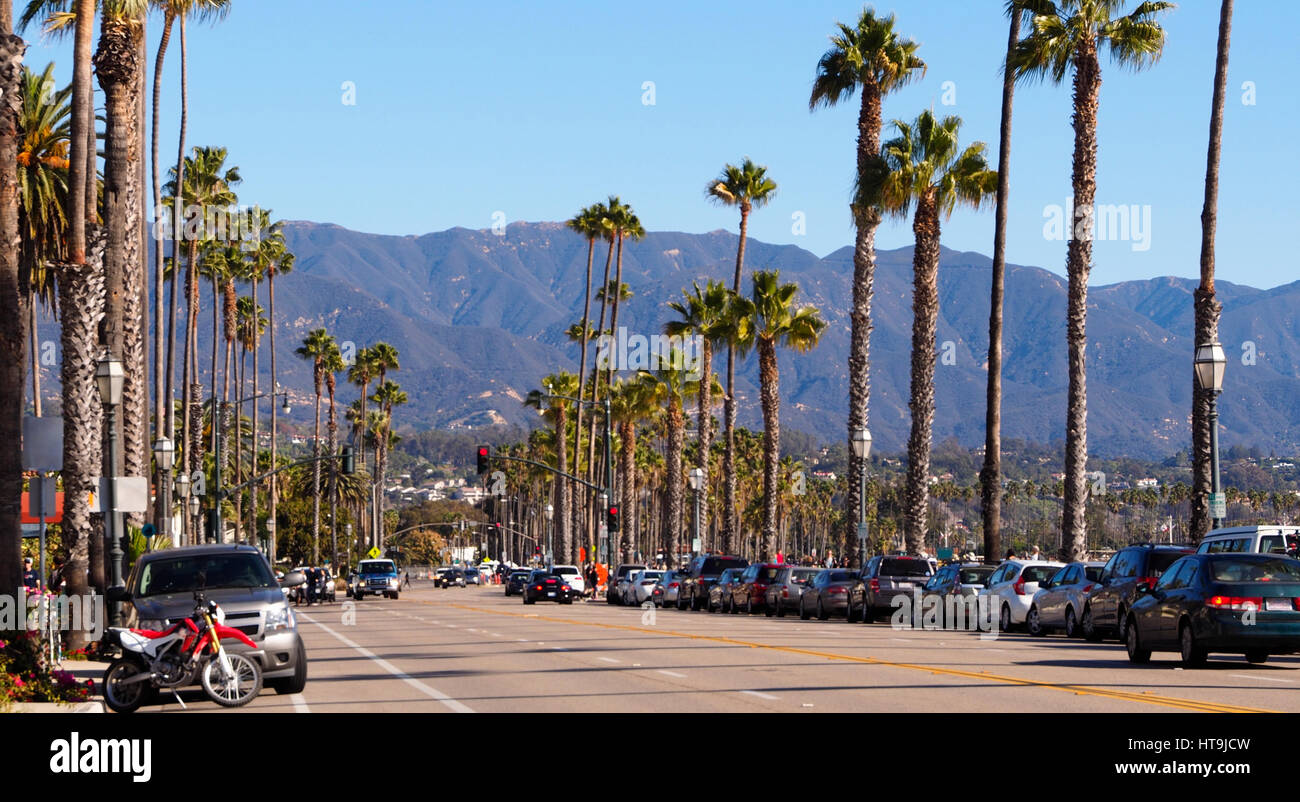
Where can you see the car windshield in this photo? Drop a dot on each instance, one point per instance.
(205, 571)
(379, 567)
(1039, 573)
(899, 566)
(716, 565)
(1280, 570)
(841, 576)
(976, 576)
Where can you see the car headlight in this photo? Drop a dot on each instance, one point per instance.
(392, 583)
(152, 623)
(279, 618)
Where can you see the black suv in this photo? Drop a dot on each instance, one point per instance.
(883, 578)
(1106, 610)
(702, 575)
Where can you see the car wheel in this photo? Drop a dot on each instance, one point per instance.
(767, 609)
(1193, 655)
(1089, 626)
(1122, 627)
(298, 681)
(749, 606)
(1004, 619)
(822, 615)
(1071, 625)
(780, 609)
(1136, 654)
(396, 594)
(527, 600)
(1034, 622)
(803, 611)
(1256, 656)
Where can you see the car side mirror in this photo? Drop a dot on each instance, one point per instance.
(293, 579)
(117, 593)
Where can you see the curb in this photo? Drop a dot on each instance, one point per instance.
(55, 707)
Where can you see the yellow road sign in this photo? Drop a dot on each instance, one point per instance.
(374, 553)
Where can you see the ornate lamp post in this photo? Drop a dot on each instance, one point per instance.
(862, 450)
(110, 376)
(1210, 364)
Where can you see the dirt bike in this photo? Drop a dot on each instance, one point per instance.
(171, 659)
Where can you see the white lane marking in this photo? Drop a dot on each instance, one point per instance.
(559, 648)
(1268, 679)
(299, 703)
(471, 629)
(761, 695)
(434, 693)
(672, 674)
(901, 640)
(523, 640)
(453, 626)
(609, 660)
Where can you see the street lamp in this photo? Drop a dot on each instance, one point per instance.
(697, 484)
(862, 449)
(110, 376)
(1210, 364)
(164, 456)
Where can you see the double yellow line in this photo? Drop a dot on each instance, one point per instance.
(1175, 702)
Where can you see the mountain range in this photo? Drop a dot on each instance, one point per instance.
(479, 317)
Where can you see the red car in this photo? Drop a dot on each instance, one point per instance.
(750, 594)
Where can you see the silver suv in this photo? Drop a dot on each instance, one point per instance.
(161, 591)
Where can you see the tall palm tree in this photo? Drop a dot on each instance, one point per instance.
(1207, 308)
(557, 411)
(250, 326)
(387, 395)
(362, 372)
(1066, 38)
(200, 10)
(613, 207)
(702, 314)
(630, 402)
(746, 187)
(332, 364)
(928, 168)
(991, 474)
(316, 348)
(769, 318)
(870, 58)
(270, 256)
(624, 225)
(589, 223)
(14, 299)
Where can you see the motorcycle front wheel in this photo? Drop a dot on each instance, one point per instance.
(120, 697)
(241, 688)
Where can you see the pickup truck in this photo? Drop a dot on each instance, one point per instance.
(376, 578)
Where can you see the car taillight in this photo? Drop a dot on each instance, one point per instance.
(672, 584)
(1295, 603)
(785, 594)
(1086, 588)
(1019, 586)
(1149, 581)
(539, 587)
(566, 587)
(836, 589)
(1240, 602)
(875, 585)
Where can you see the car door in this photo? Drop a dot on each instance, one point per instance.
(811, 593)
(1117, 576)
(1051, 610)
(1171, 600)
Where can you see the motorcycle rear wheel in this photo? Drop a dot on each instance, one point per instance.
(242, 689)
(124, 698)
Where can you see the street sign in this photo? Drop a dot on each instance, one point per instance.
(945, 554)
(1218, 505)
(42, 443)
(697, 545)
(132, 494)
(862, 530)
(374, 553)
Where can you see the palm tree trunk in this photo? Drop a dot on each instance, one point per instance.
(1207, 308)
(1087, 87)
(561, 483)
(672, 527)
(333, 433)
(627, 433)
(162, 375)
(729, 523)
(275, 406)
(14, 298)
(595, 392)
(770, 394)
(925, 315)
(315, 486)
(240, 376)
(991, 474)
(704, 425)
(34, 355)
(590, 538)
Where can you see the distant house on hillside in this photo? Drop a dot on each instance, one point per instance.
(1148, 483)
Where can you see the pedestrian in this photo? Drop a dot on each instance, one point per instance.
(31, 579)
(313, 576)
(406, 579)
(1035, 554)
(1011, 554)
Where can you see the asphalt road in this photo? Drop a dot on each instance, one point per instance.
(474, 650)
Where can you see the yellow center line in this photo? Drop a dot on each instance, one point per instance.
(1083, 690)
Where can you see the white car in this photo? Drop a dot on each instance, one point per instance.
(641, 586)
(571, 575)
(1012, 586)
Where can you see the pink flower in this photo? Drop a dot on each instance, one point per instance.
(19, 682)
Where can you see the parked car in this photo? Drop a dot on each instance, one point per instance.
(666, 589)
(827, 594)
(967, 579)
(1258, 539)
(161, 586)
(542, 585)
(1060, 600)
(702, 575)
(784, 591)
(720, 591)
(572, 575)
(1106, 610)
(642, 585)
(882, 579)
(751, 592)
(1012, 587)
(1237, 603)
(515, 582)
(620, 574)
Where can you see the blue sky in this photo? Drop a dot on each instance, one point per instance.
(465, 109)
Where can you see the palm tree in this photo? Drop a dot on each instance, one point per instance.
(927, 167)
(991, 474)
(1067, 38)
(14, 299)
(566, 384)
(589, 222)
(250, 325)
(702, 314)
(271, 257)
(316, 348)
(769, 319)
(748, 188)
(1207, 308)
(362, 372)
(200, 10)
(623, 224)
(630, 402)
(332, 362)
(387, 395)
(873, 57)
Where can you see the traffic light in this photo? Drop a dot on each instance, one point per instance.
(611, 518)
(349, 461)
(483, 453)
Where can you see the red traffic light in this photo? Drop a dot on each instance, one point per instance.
(484, 452)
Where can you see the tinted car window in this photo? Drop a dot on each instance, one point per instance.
(1125, 565)
(1058, 578)
(1093, 572)
(767, 574)
(1174, 577)
(803, 577)
(1272, 544)
(895, 566)
(975, 576)
(716, 565)
(195, 572)
(1158, 561)
(1037, 573)
(1278, 570)
(841, 576)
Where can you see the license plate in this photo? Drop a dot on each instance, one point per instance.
(552, 593)
(1277, 604)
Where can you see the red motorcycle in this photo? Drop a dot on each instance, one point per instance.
(173, 658)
